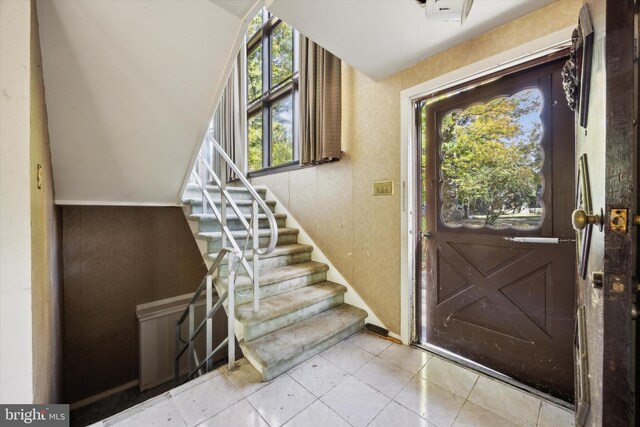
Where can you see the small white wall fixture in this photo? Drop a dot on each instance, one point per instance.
(509, 58)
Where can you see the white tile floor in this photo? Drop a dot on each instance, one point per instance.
(362, 381)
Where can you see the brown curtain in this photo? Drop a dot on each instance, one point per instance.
(320, 104)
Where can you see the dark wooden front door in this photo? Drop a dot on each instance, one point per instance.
(499, 165)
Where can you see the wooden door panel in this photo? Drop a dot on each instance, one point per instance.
(506, 305)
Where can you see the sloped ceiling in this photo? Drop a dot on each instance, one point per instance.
(130, 86)
(382, 37)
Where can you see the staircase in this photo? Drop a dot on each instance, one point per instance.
(300, 312)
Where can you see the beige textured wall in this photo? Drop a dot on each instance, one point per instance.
(358, 232)
(46, 288)
(16, 368)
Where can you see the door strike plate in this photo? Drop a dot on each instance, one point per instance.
(618, 220)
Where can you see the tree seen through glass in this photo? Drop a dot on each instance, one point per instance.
(254, 74)
(282, 131)
(491, 163)
(254, 133)
(281, 54)
(255, 25)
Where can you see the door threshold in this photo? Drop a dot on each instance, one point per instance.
(469, 364)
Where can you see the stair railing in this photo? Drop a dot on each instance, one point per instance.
(204, 176)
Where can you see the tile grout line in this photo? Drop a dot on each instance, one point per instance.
(466, 400)
(327, 390)
(539, 413)
(349, 375)
(184, 422)
(459, 412)
(509, 387)
(304, 388)
(256, 410)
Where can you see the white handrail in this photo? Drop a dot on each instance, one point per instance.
(273, 225)
(202, 173)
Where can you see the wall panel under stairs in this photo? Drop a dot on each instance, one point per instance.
(114, 259)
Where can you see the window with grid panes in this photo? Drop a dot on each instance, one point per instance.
(272, 74)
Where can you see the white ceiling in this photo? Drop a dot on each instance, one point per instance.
(130, 86)
(239, 8)
(382, 37)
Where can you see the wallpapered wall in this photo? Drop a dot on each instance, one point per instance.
(358, 232)
(115, 258)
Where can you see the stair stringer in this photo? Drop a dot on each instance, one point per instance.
(351, 297)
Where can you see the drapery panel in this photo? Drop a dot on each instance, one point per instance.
(320, 104)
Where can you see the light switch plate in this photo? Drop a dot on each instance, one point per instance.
(383, 188)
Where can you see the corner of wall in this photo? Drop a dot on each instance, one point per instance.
(351, 296)
(46, 271)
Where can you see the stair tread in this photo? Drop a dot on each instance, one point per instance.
(239, 234)
(231, 215)
(196, 187)
(278, 274)
(241, 202)
(288, 302)
(283, 250)
(289, 342)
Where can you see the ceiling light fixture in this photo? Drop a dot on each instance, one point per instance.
(446, 10)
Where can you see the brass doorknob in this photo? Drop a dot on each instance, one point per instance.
(580, 219)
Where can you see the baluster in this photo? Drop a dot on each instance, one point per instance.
(203, 182)
(256, 257)
(223, 203)
(176, 362)
(231, 333)
(192, 343)
(209, 305)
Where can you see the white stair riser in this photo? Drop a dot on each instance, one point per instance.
(252, 332)
(196, 208)
(215, 194)
(245, 296)
(283, 239)
(273, 262)
(235, 224)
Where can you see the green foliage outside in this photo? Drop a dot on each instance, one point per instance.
(282, 132)
(255, 142)
(281, 64)
(254, 74)
(281, 54)
(255, 25)
(491, 163)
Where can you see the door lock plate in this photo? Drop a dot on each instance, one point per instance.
(618, 220)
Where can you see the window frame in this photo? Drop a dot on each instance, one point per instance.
(271, 95)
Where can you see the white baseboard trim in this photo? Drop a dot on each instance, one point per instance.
(100, 396)
(351, 296)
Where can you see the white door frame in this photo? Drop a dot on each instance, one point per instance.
(509, 58)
